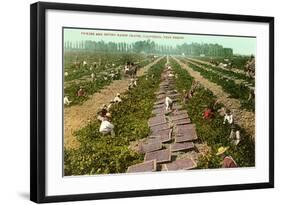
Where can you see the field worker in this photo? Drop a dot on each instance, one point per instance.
(112, 75)
(133, 70)
(127, 67)
(228, 117)
(185, 96)
(235, 134)
(65, 74)
(66, 101)
(192, 89)
(102, 113)
(106, 126)
(117, 73)
(84, 63)
(190, 93)
(81, 92)
(222, 111)
(216, 106)
(228, 161)
(168, 103)
(131, 84)
(170, 75)
(208, 113)
(91, 67)
(117, 99)
(93, 76)
(95, 64)
(251, 94)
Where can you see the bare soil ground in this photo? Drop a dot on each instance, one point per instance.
(242, 117)
(77, 116)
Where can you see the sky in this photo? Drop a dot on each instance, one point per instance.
(240, 45)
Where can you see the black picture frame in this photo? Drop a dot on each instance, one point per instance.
(38, 100)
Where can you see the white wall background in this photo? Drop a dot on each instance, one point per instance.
(14, 100)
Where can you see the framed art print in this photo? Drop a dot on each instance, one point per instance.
(129, 102)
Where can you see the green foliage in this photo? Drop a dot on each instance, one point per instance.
(104, 64)
(213, 131)
(144, 46)
(98, 154)
(227, 73)
(90, 87)
(237, 61)
(238, 91)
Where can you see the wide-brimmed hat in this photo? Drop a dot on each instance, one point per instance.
(222, 150)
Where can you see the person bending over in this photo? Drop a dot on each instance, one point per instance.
(227, 161)
(168, 103)
(106, 126)
(117, 99)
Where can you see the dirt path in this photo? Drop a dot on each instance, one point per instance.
(77, 116)
(208, 63)
(242, 117)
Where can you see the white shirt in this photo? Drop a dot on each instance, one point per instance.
(237, 140)
(66, 101)
(106, 126)
(117, 99)
(235, 134)
(168, 102)
(228, 118)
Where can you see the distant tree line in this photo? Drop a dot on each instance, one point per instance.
(150, 47)
(196, 49)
